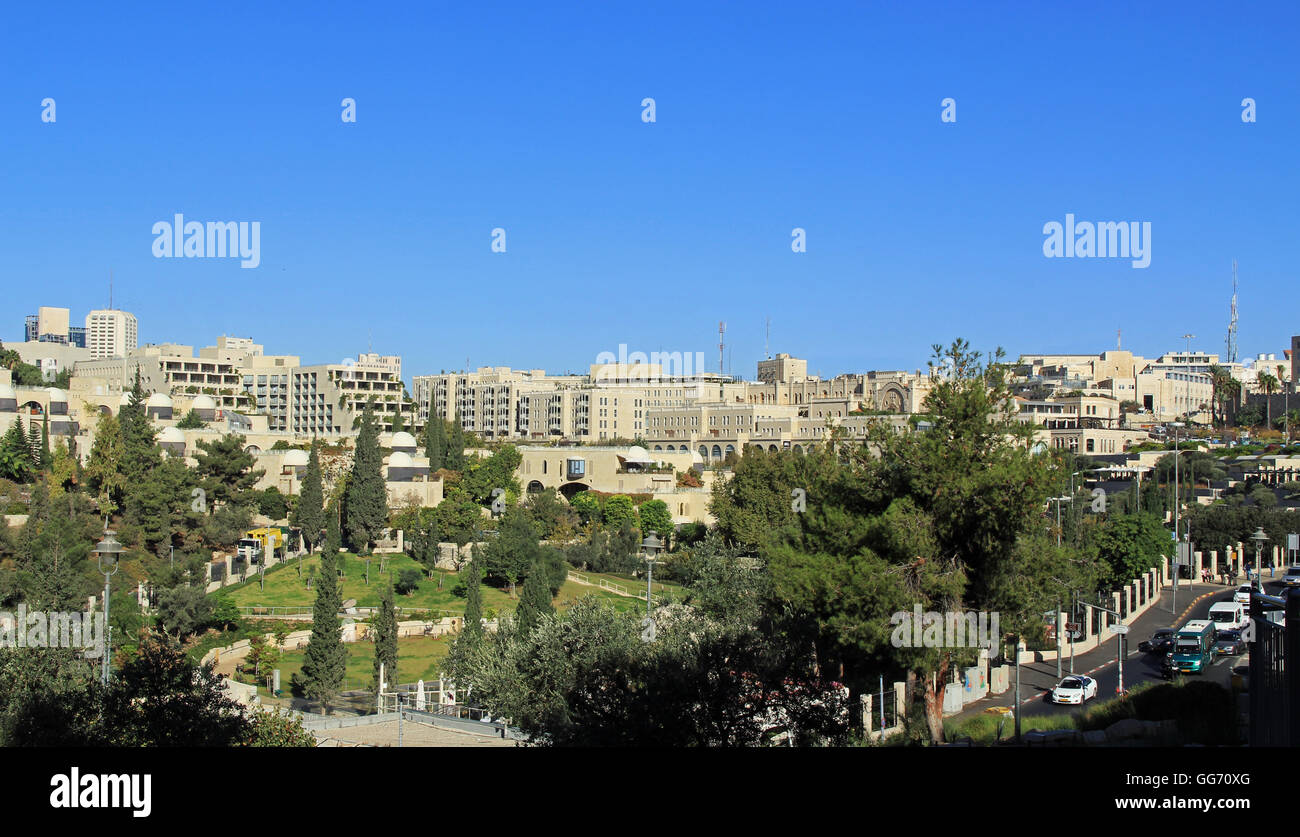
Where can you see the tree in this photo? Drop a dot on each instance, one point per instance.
(366, 501)
(535, 602)
(183, 610)
(587, 507)
(104, 472)
(929, 516)
(325, 660)
(511, 553)
(1268, 385)
(225, 468)
(619, 510)
(454, 459)
(191, 421)
(140, 451)
(655, 517)
(309, 514)
(385, 633)
(15, 455)
(435, 442)
(473, 577)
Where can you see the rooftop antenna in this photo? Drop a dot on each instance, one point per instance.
(1232, 318)
(767, 338)
(1119, 339)
(722, 329)
(110, 290)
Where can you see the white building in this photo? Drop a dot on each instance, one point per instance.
(111, 333)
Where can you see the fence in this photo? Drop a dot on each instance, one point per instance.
(1275, 671)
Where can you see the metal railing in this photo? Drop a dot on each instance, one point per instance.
(1274, 685)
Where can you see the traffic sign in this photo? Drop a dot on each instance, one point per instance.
(1119, 629)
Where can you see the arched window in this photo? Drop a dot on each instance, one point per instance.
(704, 452)
(717, 452)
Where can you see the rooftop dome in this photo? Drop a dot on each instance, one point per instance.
(171, 435)
(294, 458)
(400, 460)
(158, 399)
(402, 439)
(204, 402)
(638, 454)
(57, 394)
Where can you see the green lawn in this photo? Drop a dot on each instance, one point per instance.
(286, 588)
(418, 658)
(637, 585)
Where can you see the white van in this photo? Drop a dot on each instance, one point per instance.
(1229, 616)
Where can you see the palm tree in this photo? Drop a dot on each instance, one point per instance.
(1231, 392)
(1268, 385)
(1219, 376)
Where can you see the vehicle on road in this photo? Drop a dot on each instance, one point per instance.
(1168, 668)
(1075, 689)
(1242, 596)
(1229, 616)
(1161, 642)
(1229, 643)
(1292, 576)
(1193, 649)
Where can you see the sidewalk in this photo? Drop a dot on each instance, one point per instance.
(1038, 676)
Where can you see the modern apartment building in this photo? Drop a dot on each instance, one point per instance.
(111, 333)
(51, 325)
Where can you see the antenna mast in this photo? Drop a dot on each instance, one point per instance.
(767, 338)
(1232, 319)
(722, 329)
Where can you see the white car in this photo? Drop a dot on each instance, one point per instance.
(1075, 689)
(1292, 577)
(1242, 596)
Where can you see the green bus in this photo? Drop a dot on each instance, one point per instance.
(1193, 650)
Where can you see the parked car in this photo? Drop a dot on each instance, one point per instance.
(1075, 689)
(1161, 642)
(1229, 642)
(1292, 576)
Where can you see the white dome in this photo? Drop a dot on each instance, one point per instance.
(696, 459)
(294, 458)
(203, 402)
(402, 439)
(171, 435)
(124, 400)
(57, 394)
(158, 399)
(400, 460)
(636, 453)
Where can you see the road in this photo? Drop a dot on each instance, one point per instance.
(1038, 679)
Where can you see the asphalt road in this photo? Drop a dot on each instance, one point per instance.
(1038, 679)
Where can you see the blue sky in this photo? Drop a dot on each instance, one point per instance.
(527, 116)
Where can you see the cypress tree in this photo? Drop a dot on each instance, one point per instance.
(326, 658)
(309, 514)
(385, 628)
(535, 601)
(435, 443)
(473, 599)
(333, 535)
(455, 458)
(47, 458)
(366, 499)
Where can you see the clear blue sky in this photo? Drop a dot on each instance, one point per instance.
(526, 116)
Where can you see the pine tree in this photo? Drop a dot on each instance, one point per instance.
(385, 628)
(366, 500)
(333, 533)
(140, 452)
(309, 514)
(325, 660)
(535, 601)
(455, 457)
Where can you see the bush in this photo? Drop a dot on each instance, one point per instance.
(407, 581)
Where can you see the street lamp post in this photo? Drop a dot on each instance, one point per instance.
(1259, 537)
(107, 549)
(651, 545)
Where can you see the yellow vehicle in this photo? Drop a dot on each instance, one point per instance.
(255, 542)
